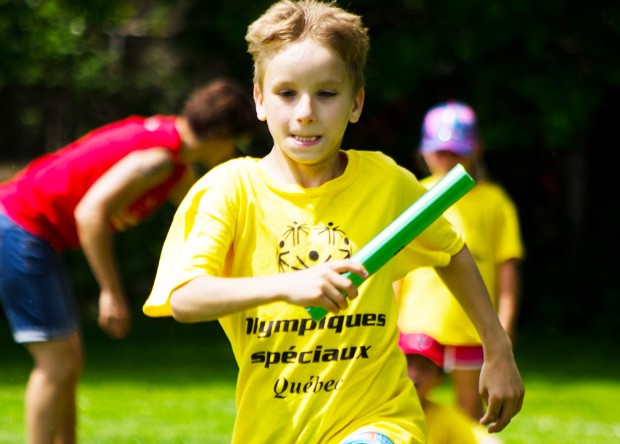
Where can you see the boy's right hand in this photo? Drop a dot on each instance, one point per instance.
(323, 285)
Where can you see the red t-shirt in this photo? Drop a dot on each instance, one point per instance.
(42, 197)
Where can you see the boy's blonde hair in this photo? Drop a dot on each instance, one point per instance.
(288, 21)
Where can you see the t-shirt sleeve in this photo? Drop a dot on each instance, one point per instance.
(196, 244)
(435, 246)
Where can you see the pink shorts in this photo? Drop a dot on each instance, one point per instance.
(462, 357)
(448, 357)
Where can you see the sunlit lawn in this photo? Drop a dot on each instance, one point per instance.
(165, 383)
(172, 383)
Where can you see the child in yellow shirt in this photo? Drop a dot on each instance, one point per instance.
(256, 241)
(487, 219)
(445, 425)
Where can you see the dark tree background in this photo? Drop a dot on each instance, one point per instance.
(542, 75)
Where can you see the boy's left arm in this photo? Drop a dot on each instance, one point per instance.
(508, 295)
(500, 382)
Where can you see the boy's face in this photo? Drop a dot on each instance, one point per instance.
(307, 99)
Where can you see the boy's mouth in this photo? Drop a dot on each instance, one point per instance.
(306, 139)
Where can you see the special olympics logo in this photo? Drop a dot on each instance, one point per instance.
(302, 246)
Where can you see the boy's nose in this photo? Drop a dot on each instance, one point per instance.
(305, 109)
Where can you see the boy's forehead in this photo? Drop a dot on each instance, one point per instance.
(301, 49)
(306, 60)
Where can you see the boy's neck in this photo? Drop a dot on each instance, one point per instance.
(307, 176)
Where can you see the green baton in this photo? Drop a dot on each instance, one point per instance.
(406, 227)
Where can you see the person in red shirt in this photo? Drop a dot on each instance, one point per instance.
(107, 181)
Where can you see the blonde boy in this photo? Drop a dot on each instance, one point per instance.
(258, 240)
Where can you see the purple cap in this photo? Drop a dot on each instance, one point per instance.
(450, 126)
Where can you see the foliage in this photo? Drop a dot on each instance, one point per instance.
(547, 62)
(543, 77)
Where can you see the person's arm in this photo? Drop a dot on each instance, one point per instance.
(501, 386)
(207, 298)
(107, 200)
(508, 301)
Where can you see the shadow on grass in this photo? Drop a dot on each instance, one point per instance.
(154, 349)
(157, 347)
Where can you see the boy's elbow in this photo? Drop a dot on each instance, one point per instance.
(179, 312)
(189, 304)
(184, 310)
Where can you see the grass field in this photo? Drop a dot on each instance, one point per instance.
(173, 383)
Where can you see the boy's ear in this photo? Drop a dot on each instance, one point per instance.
(258, 102)
(358, 104)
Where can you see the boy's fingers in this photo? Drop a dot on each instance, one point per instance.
(347, 288)
(499, 415)
(519, 405)
(502, 421)
(345, 265)
(491, 414)
(338, 298)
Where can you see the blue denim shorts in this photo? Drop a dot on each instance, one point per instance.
(35, 291)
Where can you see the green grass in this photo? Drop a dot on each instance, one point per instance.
(173, 383)
(165, 383)
(572, 392)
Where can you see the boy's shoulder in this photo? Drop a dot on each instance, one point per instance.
(239, 164)
(372, 156)
(373, 162)
(376, 167)
(228, 171)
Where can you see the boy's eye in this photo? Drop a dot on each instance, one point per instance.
(286, 93)
(327, 93)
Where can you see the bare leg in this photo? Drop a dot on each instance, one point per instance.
(50, 394)
(66, 433)
(466, 383)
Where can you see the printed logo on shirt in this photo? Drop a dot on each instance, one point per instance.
(302, 246)
(273, 359)
(313, 385)
(317, 354)
(152, 124)
(337, 324)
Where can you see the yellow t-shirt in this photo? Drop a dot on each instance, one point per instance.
(301, 380)
(448, 426)
(488, 220)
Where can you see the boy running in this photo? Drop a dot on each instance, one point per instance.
(256, 241)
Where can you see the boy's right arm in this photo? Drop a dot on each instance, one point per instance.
(207, 298)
